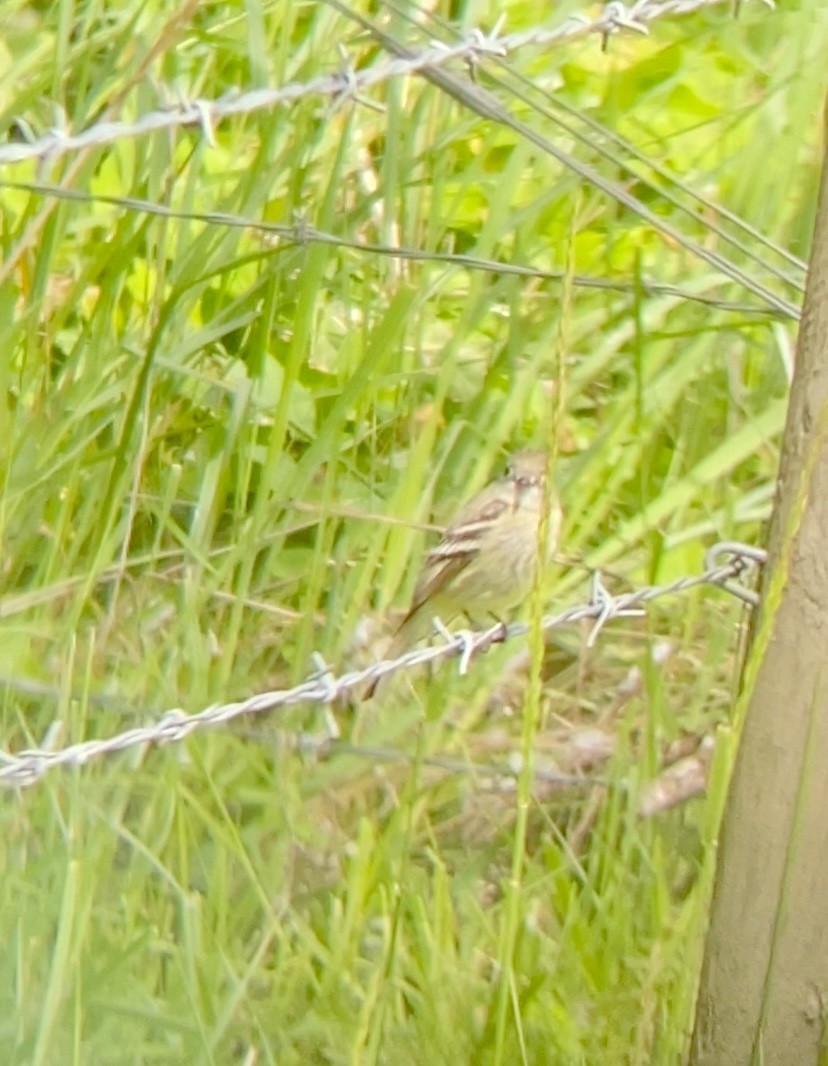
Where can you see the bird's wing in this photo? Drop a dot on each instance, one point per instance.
(440, 569)
(459, 545)
(475, 518)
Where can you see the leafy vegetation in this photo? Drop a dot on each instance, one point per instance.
(222, 446)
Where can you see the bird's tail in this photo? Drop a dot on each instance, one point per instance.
(412, 628)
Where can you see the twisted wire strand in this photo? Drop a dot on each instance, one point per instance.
(348, 83)
(727, 564)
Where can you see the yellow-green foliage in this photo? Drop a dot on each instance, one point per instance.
(222, 441)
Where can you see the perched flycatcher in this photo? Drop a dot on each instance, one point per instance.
(485, 563)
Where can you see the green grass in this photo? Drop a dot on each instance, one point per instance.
(220, 448)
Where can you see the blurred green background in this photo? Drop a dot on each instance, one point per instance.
(222, 449)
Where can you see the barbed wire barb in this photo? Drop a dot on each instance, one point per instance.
(24, 768)
(465, 637)
(618, 18)
(608, 608)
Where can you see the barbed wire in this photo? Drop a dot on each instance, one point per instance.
(347, 83)
(300, 233)
(726, 566)
(489, 106)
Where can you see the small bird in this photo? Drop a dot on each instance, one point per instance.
(485, 562)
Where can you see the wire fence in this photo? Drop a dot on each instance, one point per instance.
(432, 62)
(728, 566)
(347, 84)
(301, 233)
